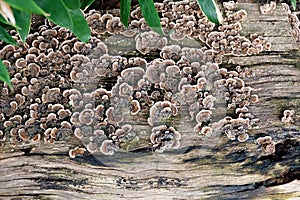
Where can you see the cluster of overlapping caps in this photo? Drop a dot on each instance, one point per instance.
(60, 90)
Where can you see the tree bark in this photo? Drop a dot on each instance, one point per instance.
(203, 168)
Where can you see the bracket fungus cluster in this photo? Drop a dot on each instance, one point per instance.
(288, 116)
(64, 87)
(267, 144)
(294, 22)
(268, 8)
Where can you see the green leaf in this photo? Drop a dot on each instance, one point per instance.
(4, 21)
(27, 6)
(211, 10)
(6, 37)
(66, 13)
(125, 11)
(150, 14)
(86, 3)
(80, 27)
(23, 20)
(293, 4)
(57, 10)
(72, 4)
(4, 75)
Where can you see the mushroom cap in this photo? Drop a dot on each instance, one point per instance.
(288, 113)
(270, 148)
(207, 131)
(92, 147)
(198, 128)
(150, 41)
(65, 124)
(99, 133)
(230, 5)
(36, 138)
(163, 137)
(230, 134)
(170, 52)
(99, 112)
(208, 102)
(78, 133)
(76, 151)
(134, 107)
(108, 147)
(86, 116)
(23, 135)
(203, 116)
(264, 140)
(125, 90)
(243, 137)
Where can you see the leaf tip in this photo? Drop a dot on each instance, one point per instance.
(10, 86)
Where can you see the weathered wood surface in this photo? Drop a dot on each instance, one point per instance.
(206, 168)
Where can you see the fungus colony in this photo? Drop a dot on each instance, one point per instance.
(61, 85)
(267, 144)
(288, 117)
(294, 22)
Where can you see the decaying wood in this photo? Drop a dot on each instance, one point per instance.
(204, 168)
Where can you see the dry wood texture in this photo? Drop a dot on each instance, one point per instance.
(203, 168)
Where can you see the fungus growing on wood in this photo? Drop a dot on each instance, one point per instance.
(203, 116)
(36, 138)
(114, 25)
(22, 134)
(268, 8)
(188, 94)
(163, 138)
(193, 54)
(184, 27)
(208, 102)
(230, 5)
(207, 131)
(53, 61)
(98, 22)
(125, 90)
(230, 134)
(92, 147)
(134, 107)
(243, 137)
(149, 41)
(51, 95)
(122, 135)
(294, 22)
(161, 111)
(108, 147)
(133, 75)
(113, 117)
(267, 144)
(234, 128)
(7, 52)
(99, 112)
(288, 116)
(64, 113)
(170, 79)
(77, 151)
(86, 116)
(170, 52)
(239, 15)
(78, 133)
